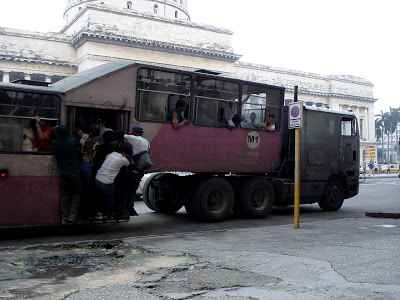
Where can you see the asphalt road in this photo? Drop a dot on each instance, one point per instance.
(336, 255)
(377, 194)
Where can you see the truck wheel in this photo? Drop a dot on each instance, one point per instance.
(148, 191)
(333, 198)
(161, 183)
(213, 200)
(256, 198)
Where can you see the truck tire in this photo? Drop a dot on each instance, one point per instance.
(148, 192)
(256, 198)
(212, 200)
(151, 194)
(333, 197)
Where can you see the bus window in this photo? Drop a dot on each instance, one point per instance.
(216, 101)
(257, 104)
(17, 113)
(157, 93)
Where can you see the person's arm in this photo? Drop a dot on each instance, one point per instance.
(39, 129)
(269, 127)
(175, 121)
(15, 109)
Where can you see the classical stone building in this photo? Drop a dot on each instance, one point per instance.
(161, 32)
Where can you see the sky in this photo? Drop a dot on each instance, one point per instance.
(341, 37)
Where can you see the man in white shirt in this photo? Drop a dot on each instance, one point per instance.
(104, 182)
(139, 144)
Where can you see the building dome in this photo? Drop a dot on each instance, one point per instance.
(174, 9)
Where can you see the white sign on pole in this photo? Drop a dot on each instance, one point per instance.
(295, 114)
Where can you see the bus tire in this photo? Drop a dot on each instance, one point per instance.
(148, 191)
(333, 197)
(256, 198)
(167, 205)
(213, 200)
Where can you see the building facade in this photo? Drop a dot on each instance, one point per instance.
(161, 32)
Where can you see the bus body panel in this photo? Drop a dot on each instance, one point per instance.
(30, 193)
(208, 149)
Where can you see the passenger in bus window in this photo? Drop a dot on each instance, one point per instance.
(228, 109)
(234, 122)
(42, 135)
(66, 153)
(176, 114)
(203, 115)
(28, 142)
(253, 123)
(270, 125)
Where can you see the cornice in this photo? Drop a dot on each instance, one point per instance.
(332, 95)
(343, 78)
(87, 35)
(37, 61)
(48, 36)
(135, 13)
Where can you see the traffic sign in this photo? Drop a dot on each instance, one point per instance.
(295, 114)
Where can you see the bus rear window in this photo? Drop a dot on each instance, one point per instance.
(17, 117)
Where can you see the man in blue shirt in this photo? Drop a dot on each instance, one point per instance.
(66, 151)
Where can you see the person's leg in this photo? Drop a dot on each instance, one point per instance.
(64, 197)
(94, 200)
(76, 187)
(133, 184)
(109, 190)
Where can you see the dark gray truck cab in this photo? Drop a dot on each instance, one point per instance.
(329, 159)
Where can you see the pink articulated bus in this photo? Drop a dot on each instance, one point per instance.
(235, 147)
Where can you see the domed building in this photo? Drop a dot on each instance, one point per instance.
(161, 32)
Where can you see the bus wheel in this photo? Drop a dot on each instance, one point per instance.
(333, 198)
(148, 190)
(159, 195)
(213, 200)
(256, 198)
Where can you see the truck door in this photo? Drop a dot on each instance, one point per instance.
(349, 145)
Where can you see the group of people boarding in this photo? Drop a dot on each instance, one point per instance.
(98, 175)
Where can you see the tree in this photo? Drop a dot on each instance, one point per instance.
(380, 130)
(390, 120)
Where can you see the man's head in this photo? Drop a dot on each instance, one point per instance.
(136, 130)
(181, 104)
(271, 119)
(61, 131)
(253, 116)
(127, 149)
(236, 120)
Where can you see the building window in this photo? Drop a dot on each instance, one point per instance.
(155, 9)
(176, 14)
(129, 5)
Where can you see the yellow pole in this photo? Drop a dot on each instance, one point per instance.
(297, 177)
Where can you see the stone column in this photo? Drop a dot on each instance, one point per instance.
(6, 77)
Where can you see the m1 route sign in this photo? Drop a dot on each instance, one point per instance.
(295, 114)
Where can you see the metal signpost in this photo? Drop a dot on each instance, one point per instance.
(295, 121)
(370, 153)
